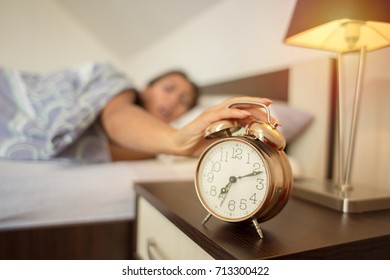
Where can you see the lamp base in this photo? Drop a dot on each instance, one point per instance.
(355, 200)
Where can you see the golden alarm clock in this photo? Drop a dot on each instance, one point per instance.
(247, 176)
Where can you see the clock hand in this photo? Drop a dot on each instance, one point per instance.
(224, 190)
(232, 180)
(254, 173)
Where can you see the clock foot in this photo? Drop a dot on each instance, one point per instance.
(258, 229)
(206, 218)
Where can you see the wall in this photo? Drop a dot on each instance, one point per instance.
(38, 35)
(372, 154)
(309, 86)
(232, 39)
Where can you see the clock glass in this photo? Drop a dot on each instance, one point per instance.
(232, 179)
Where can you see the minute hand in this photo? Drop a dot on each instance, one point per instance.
(254, 173)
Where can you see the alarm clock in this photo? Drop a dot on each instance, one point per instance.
(245, 175)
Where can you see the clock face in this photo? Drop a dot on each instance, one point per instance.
(232, 179)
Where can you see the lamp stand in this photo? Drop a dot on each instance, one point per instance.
(343, 196)
(326, 193)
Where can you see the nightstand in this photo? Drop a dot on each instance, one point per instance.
(169, 226)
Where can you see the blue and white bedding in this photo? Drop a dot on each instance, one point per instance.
(54, 115)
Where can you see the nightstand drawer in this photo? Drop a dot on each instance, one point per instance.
(158, 238)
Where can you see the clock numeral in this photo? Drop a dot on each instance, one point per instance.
(256, 166)
(243, 205)
(210, 177)
(237, 153)
(260, 184)
(213, 190)
(248, 158)
(215, 166)
(224, 156)
(232, 205)
(253, 198)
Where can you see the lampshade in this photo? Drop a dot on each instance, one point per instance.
(340, 25)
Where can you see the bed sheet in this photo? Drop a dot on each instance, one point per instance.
(49, 193)
(52, 193)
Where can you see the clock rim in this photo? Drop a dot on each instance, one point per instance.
(270, 182)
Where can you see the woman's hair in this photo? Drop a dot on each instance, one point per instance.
(194, 86)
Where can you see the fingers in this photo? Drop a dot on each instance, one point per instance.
(244, 99)
(257, 112)
(245, 112)
(189, 139)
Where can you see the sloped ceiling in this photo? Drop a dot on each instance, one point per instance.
(128, 26)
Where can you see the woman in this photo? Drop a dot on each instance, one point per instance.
(60, 115)
(137, 132)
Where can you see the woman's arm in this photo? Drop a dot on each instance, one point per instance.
(131, 127)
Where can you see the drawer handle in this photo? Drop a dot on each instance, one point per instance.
(153, 251)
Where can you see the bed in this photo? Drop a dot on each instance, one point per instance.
(73, 210)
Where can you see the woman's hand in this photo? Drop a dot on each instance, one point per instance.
(190, 141)
(130, 127)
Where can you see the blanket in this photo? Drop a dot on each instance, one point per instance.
(55, 115)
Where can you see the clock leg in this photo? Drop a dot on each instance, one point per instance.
(206, 218)
(258, 229)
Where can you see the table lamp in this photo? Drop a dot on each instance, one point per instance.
(342, 26)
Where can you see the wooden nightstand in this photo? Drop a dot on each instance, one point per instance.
(169, 225)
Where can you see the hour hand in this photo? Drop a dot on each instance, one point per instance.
(225, 189)
(223, 197)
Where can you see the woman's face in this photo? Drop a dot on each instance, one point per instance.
(169, 97)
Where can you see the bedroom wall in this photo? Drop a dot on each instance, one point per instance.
(372, 160)
(39, 35)
(230, 40)
(239, 38)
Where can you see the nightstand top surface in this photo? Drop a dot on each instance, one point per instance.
(301, 231)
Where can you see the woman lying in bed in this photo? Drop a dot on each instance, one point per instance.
(138, 125)
(58, 115)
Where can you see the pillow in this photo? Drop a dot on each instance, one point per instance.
(204, 102)
(189, 116)
(293, 120)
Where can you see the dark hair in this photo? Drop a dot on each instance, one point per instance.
(194, 86)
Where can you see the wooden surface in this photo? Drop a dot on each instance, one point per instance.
(272, 85)
(301, 231)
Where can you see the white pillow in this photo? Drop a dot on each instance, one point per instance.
(204, 102)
